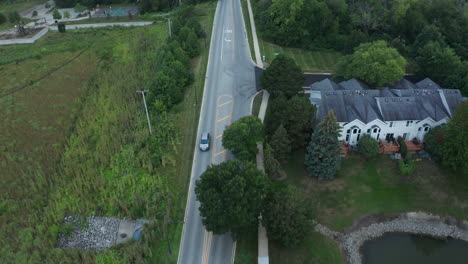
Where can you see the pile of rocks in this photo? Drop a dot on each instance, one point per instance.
(90, 232)
(417, 223)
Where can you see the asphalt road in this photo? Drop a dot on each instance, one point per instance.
(229, 88)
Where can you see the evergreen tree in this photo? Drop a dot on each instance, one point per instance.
(272, 166)
(322, 158)
(280, 144)
(276, 114)
(300, 116)
(56, 14)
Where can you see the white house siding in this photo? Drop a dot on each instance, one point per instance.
(399, 128)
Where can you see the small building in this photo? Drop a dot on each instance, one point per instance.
(404, 110)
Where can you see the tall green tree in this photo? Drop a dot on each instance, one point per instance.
(300, 118)
(436, 62)
(322, 158)
(231, 196)
(277, 113)
(286, 216)
(272, 166)
(280, 144)
(283, 77)
(242, 136)
(374, 63)
(368, 146)
(450, 142)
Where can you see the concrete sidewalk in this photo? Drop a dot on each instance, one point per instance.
(258, 58)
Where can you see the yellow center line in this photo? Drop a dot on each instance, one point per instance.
(228, 102)
(224, 118)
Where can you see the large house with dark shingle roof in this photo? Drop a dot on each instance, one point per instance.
(405, 109)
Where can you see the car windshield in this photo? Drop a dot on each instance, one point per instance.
(204, 141)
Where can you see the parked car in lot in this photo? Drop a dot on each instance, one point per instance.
(205, 141)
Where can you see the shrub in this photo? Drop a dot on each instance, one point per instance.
(368, 147)
(34, 13)
(67, 14)
(14, 17)
(3, 19)
(406, 166)
(403, 147)
(56, 14)
(61, 27)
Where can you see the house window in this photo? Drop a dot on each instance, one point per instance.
(378, 135)
(375, 130)
(391, 124)
(405, 136)
(409, 123)
(354, 131)
(426, 129)
(347, 138)
(368, 131)
(358, 137)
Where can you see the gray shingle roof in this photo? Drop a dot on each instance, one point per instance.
(408, 102)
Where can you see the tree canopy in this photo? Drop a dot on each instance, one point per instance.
(286, 216)
(231, 197)
(449, 143)
(242, 136)
(322, 157)
(283, 77)
(280, 144)
(374, 63)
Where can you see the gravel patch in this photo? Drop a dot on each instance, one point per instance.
(96, 233)
(415, 223)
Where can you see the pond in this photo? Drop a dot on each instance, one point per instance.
(403, 248)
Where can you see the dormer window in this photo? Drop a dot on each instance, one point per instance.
(409, 123)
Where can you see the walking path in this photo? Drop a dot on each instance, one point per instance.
(263, 106)
(258, 58)
(97, 25)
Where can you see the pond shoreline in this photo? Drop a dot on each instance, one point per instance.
(373, 226)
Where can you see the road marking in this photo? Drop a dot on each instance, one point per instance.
(224, 118)
(206, 247)
(219, 153)
(228, 102)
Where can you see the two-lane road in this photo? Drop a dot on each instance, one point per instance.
(229, 87)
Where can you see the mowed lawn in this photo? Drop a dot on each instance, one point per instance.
(369, 187)
(309, 61)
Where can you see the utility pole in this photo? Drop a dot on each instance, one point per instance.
(146, 108)
(170, 30)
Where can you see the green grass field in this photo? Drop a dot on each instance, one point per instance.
(366, 187)
(309, 61)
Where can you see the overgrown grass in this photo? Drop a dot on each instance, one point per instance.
(107, 168)
(369, 187)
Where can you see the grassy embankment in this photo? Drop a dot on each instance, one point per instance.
(308, 60)
(106, 130)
